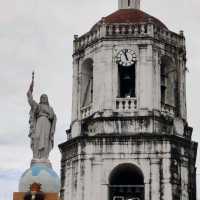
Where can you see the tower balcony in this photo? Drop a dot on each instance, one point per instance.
(167, 109)
(128, 104)
(86, 111)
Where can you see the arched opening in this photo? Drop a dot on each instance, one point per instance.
(168, 81)
(87, 82)
(126, 182)
(126, 81)
(126, 60)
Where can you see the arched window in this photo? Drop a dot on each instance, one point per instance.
(163, 78)
(126, 182)
(168, 81)
(126, 81)
(87, 82)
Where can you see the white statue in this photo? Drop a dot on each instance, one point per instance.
(42, 125)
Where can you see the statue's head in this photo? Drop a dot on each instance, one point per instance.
(44, 99)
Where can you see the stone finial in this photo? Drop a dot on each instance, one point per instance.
(75, 37)
(181, 33)
(129, 4)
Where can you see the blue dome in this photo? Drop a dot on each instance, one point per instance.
(43, 174)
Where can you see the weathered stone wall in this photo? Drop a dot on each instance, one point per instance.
(148, 130)
(149, 54)
(87, 163)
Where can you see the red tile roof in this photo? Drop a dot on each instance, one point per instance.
(132, 16)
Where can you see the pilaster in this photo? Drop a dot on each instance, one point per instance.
(155, 179)
(146, 77)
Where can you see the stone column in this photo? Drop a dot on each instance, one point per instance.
(146, 77)
(156, 81)
(155, 179)
(106, 65)
(146, 168)
(80, 177)
(99, 87)
(68, 182)
(182, 87)
(97, 186)
(76, 98)
(166, 185)
(115, 76)
(184, 181)
(75, 89)
(147, 191)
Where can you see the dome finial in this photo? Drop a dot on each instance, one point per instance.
(129, 4)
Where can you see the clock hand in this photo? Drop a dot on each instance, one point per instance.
(125, 54)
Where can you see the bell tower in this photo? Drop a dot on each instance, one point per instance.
(129, 137)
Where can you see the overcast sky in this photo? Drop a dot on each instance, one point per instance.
(37, 35)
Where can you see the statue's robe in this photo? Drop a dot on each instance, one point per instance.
(42, 128)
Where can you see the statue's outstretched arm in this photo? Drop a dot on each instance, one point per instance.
(31, 101)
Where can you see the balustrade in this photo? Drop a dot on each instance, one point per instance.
(127, 29)
(167, 109)
(134, 30)
(126, 104)
(86, 111)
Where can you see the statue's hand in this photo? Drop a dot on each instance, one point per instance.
(32, 84)
(31, 87)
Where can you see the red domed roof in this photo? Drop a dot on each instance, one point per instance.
(132, 16)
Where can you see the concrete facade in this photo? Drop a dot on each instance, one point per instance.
(147, 132)
(87, 163)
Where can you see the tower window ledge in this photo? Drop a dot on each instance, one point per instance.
(127, 104)
(86, 111)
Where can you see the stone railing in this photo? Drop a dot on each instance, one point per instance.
(125, 104)
(169, 37)
(128, 29)
(167, 109)
(88, 38)
(86, 111)
(148, 29)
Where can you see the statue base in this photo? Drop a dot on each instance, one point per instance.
(40, 172)
(48, 196)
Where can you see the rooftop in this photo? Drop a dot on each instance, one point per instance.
(130, 16)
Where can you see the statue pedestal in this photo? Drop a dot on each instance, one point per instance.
(40, 172)
(48, 196)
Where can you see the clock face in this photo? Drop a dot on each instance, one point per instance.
(126, 57)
